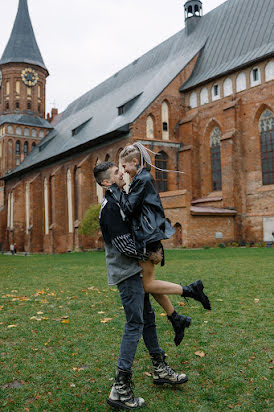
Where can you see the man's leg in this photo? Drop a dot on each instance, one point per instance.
(163, 373)
(132, 297)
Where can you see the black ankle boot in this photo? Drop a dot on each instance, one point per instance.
(179, 323)
(195, 291)
(121, 395)
(163, 373)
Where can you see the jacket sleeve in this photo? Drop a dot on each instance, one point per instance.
(131, 202)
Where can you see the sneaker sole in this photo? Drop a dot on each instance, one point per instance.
(163, 381)
(119, 405)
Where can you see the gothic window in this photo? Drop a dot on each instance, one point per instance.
(29, 105)
(241, 82)
(193, 102)
(161, 176)
(269, 71)
(178, 235)
(27, 207)
(69, 199)
(8, 219)
(18, 147)
(46, 206)
(10, 155)
(215, 149)
(99, 189)
(165, 121)
(150, 128)
(26, 148)
(266, 127)
(77, 171)
(26, 131)
(10, 210)
(255, 77)
(204, 96)
(228, 87)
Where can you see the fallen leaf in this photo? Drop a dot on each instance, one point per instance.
(40, 313)
(162, 314)
(205, 321)
(200, 353)
(106, 320)
(99, 313)
(219, 300)
(231, 406)
(72, 385)
(147, 374)
(181, 303)
(65, 321)
(12, 326)
(256, 300)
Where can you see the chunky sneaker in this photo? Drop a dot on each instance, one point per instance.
(163, 373)
(179, 323)
(195, 291)
(121, 395)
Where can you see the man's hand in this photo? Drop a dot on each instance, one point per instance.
(156, 257)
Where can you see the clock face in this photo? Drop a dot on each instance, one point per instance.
(30, 77)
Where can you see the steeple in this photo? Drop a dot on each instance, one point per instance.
(193, 14)
(22, 46)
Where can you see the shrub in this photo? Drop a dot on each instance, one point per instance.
(90, 223)
(206, 247)
(221, 245)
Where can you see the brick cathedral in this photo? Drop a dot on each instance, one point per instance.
(202, 100)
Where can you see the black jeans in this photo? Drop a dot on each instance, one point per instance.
(140, 320)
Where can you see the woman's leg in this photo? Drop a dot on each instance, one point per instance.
(157, 287)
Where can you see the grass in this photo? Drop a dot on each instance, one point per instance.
(57, 355)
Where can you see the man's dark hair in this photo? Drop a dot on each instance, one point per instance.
(101, 171)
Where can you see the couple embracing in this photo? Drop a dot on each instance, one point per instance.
(133, 226)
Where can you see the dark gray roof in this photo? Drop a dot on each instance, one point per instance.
(239, 32)
(25, 119)
(235, 33)
(22, 46)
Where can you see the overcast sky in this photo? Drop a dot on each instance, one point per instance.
(84, 42)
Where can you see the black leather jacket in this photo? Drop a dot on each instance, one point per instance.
(143, 208)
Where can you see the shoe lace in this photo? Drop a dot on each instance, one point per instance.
(169, 370)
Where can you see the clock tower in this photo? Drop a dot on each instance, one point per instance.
(22, 93)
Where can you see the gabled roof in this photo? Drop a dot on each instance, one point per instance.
(235, 33)
(239, 32)
(22, 46)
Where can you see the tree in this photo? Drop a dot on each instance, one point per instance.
(90, 223)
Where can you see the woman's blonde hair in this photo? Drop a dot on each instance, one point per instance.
(138, 151)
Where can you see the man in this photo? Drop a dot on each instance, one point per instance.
(124, 271)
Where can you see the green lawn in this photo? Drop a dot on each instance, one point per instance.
(57, 355)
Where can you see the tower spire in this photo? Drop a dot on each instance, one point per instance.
(22, 46)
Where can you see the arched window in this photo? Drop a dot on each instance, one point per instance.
(18, 147)
(107, 158)
(255, 77)
(27, 207)
(10, 130)
(26, 148)
(18, 131)
(269, 71)
(7, 88)
(178, 235)
(215, 149)
(41, 133)
(228, 87)
(241, 82)
(204, 96)
(34, 133)
(99, 189)
(33, 144)
(77, 172)
(193, 101)
(10, 155)
(29, 105)
(266, 127)
(150, 127)
(46, 206)
(165, 121)
(161, 162)
(69, 199)
(215, 92)
(26, 131)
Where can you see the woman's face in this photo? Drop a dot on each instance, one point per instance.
(130, 167)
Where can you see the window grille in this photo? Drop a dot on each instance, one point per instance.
(161, 161)
(266, 126)
(216, 169)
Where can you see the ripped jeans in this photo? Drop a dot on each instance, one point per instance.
(140, 321)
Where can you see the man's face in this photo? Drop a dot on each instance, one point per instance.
(115, 176)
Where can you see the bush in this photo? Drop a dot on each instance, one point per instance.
(90, 223)
(206, 247)
(221, 245)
